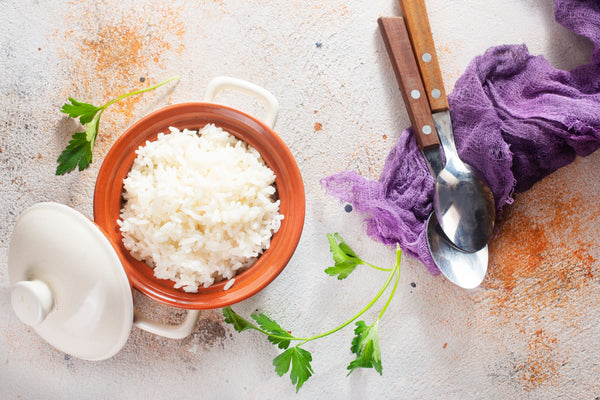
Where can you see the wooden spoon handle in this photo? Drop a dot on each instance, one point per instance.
(397, 43)
(417, 22)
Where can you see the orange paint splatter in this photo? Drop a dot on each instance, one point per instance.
(445, 345)
(582, 255)
(533, 273)
(318, 126)
(105, 60)
(541, 363)
(520, 257)
(526, 252)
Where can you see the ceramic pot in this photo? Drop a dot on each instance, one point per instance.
(258, 134)
(72, 278)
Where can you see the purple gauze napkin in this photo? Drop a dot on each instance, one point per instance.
(515, 118)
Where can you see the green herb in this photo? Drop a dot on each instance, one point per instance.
(365, 345)
(78, 152)
(344, 257)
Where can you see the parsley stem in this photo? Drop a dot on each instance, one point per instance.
(395, 272)
(376, 267)
(139, 91)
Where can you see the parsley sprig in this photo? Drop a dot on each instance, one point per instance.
(78, 152)
(365, 344)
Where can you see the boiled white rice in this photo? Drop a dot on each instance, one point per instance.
(199, 206)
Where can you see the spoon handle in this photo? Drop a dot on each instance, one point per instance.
(419, 30)
(397, 43)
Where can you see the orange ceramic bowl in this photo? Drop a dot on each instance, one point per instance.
(289, 184)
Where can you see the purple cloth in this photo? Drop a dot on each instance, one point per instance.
(515, 118)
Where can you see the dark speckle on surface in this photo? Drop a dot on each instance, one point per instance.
(210, 331)
(319, 45)
(412, 284)
(348, 208)
(69, 363)
(142, 79)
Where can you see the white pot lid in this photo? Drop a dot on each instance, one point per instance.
(68, 282)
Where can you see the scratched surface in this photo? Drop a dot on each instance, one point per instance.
(530, 331)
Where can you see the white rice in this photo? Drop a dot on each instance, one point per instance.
(229, 284)
(199, 207)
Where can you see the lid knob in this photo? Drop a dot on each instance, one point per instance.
(31, 301)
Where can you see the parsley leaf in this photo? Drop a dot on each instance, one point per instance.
(366, 347)
(78, 152)
(344, 257)
(269, 325)
(239, 324)
(275, 333)
(300, 362)
(84, 111)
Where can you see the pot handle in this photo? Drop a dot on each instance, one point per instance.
(180, 331)
(269, 101)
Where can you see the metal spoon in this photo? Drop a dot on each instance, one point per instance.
(466, 270)
(463, 203)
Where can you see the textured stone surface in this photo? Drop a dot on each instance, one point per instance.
(529, 332)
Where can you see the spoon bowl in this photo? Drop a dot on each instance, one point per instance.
(464, 269)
